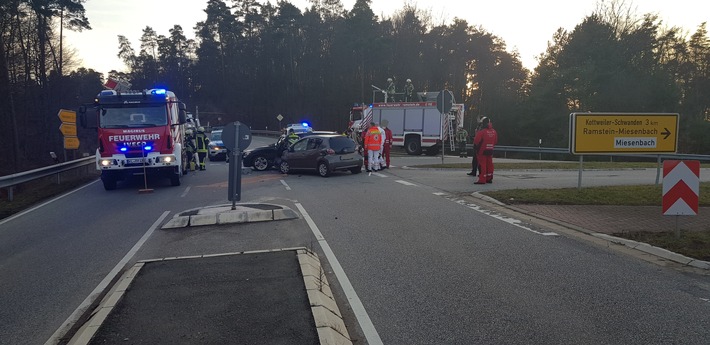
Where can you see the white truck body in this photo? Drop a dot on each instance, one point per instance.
(416, 126)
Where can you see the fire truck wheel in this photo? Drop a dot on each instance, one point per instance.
(413, 147)
(323, 170)
(175, 178)
(261, 163)
(109, 183)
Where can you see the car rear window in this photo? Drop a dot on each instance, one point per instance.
(342, 144)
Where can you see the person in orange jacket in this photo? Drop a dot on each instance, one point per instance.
(485, 139)
(373, 145)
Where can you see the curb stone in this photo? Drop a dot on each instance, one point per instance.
(223, 214)
(327, 316)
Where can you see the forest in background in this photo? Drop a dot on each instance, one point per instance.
(250, 62)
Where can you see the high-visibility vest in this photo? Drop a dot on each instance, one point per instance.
(202, 141)
(373, 140)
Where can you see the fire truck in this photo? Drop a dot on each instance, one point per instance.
(140, 133)
(416, 126)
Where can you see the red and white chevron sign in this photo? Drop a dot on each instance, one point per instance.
(681, 188)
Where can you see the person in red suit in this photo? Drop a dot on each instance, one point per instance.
(388, 143)
(486, 139)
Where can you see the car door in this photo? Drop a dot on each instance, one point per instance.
(313, 153)
(297, 154)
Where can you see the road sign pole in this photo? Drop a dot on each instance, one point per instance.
(238, 166)
(579, 179)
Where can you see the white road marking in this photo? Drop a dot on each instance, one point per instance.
(74, 317)
(405, 183)
(185, 192)
(380, 175)
(511, 221)
(373, 338)
(286, 185)
(439, 193)
(44, 203)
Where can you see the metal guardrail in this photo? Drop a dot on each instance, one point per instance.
(10, 181)
(565, 151)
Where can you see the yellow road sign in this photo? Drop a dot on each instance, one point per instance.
(600, 133)
(68, 129)
(67, 115)
(71, 143)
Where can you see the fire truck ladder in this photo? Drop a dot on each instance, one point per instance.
(452, 139)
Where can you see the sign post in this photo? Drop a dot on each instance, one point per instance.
(68, 129)
(622, 133)
(681, 189)
(627, 133)
(444, 102)
(236, 137)
(279, 117)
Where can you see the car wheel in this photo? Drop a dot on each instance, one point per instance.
(323, 170)
(261, 163)
(284, 167)
(356, 170)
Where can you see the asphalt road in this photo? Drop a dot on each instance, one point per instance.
(426, 263)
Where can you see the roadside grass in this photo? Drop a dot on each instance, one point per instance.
(641, 195)
(694, 244)
(552, 165)
(33, 193)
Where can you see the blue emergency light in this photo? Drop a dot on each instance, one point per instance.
(123, 149)
(158, 91)
(148, 147)
(305, 124)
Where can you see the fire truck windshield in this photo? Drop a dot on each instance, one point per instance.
(128, 117)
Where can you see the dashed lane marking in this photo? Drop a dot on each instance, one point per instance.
(405, 183)
(378, 174)
(285, 185)
(185, 192)
(512, 221)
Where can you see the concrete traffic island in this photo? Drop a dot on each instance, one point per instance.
(259, 297)
(223, 214)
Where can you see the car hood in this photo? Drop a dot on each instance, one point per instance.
(261, 148)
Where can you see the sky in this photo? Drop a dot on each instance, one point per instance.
(525, 26)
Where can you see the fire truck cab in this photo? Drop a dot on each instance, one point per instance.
(139, 132)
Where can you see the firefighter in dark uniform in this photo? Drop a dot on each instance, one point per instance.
(201, 142)
(390, 91)
(190, 149)
(409, 91)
